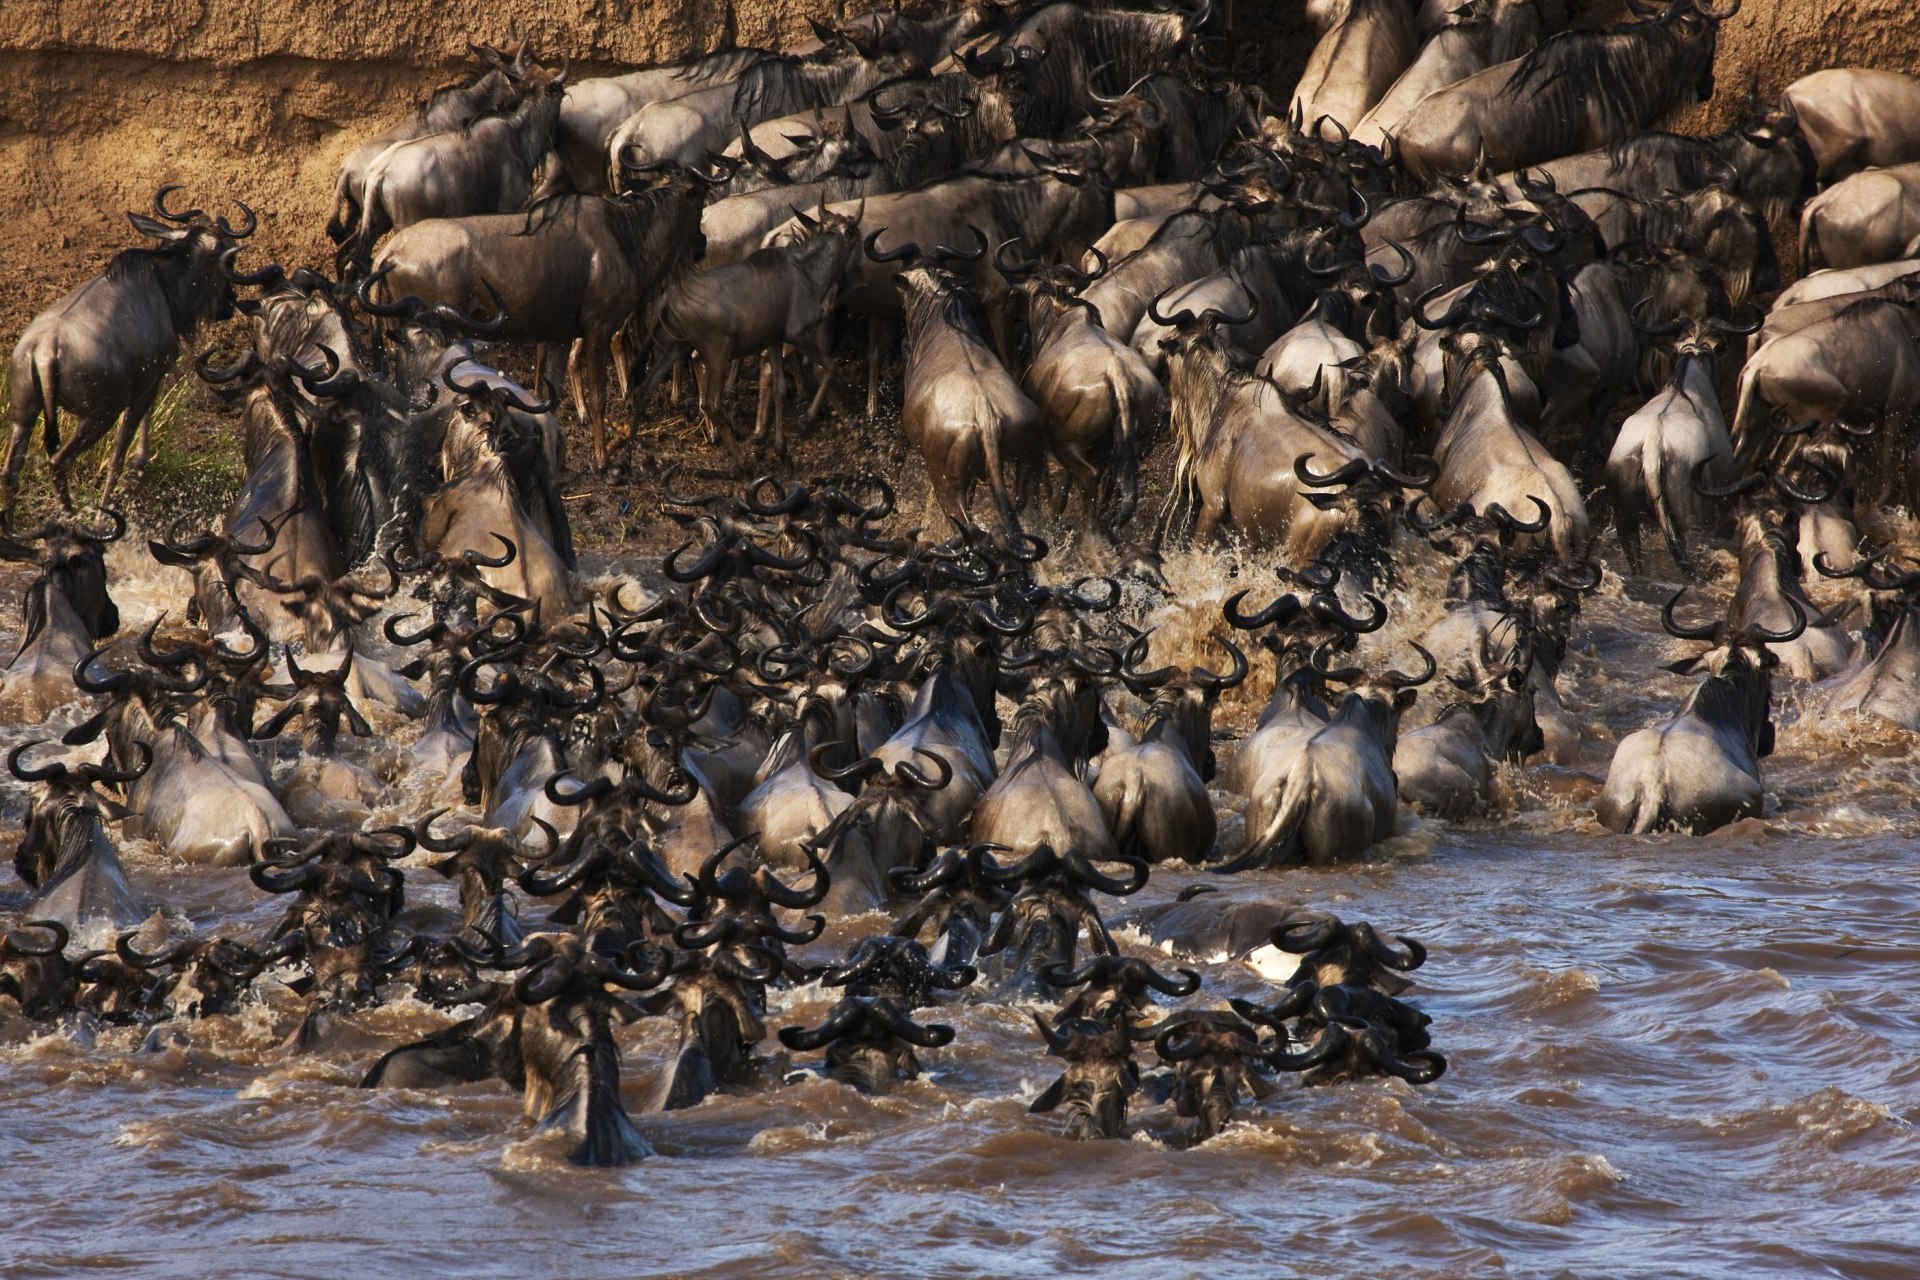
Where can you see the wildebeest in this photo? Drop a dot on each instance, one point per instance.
(1676, 438)
(485, 167)
(1861, 220)
(776, 296)
(1329, 793)
(572, 268)
(594, 107)
(64, 854)
(960, 407)
(103, 351)
(1355, 63)
(452, 107)
(67, 609)
(1700, 769)
(1576, 91)
(1478, 34)
(1096, 395)
(1856, 118)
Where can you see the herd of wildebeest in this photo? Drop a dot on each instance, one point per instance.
(1417, 314)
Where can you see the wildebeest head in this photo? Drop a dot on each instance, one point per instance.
(63, 818)
(346, 889)
(1216, 1056)
(72, 561)
(1099, 1078)
(35, 971)
(1116, 987)
(1184, 699)
(199, 290)
(209, 975)
(959, 903)
(1333, 952)
(1041, 926)
(869, 1042)
(896, 967)
(1347, 1031)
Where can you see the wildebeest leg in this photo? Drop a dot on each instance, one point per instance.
(617, 357)
(84, 437)
(941, 479)
(997, 481)
(875, 330)
(1208, 524)
(590, 391)
(716, 372)
(814, 348)
(1083, 478)
(766, 418)
(666, 357)
(1626, 522)
(134, 419)
(25, 410)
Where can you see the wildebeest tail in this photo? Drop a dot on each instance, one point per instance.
(1126, 819)
(346, 211)
(1125, 463)
(46, 386)
(1664, 476)
(1651, 802)
(1264, 848)
(1811, 258)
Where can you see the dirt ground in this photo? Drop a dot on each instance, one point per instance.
(260, 100)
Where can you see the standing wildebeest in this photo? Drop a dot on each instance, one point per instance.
(777, 295)
(572, 267)
(1577, 91)
(1867, 218)
(960, 406)
(453, 107)
(102, 351)
(1758, 162)
(1355, 63)
(1478, 34)
(592, 109)
(1856, 118)
(1057, 210)
(486, 167)
(1676, 437)
(1096, 394)
(686, 129)
(1858, 370)
(1489, 458)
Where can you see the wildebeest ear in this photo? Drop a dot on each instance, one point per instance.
(1051, 1098)
(1684, 667)
(1404, 698)
(154, 229)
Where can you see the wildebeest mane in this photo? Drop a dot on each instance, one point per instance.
(1629, 75)
(947, 303)
(777, 86)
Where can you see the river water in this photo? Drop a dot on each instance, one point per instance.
(1668, 1057)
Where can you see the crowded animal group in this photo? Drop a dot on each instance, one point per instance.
(1398, 328)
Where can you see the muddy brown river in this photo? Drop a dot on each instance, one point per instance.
(1667, 1057)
